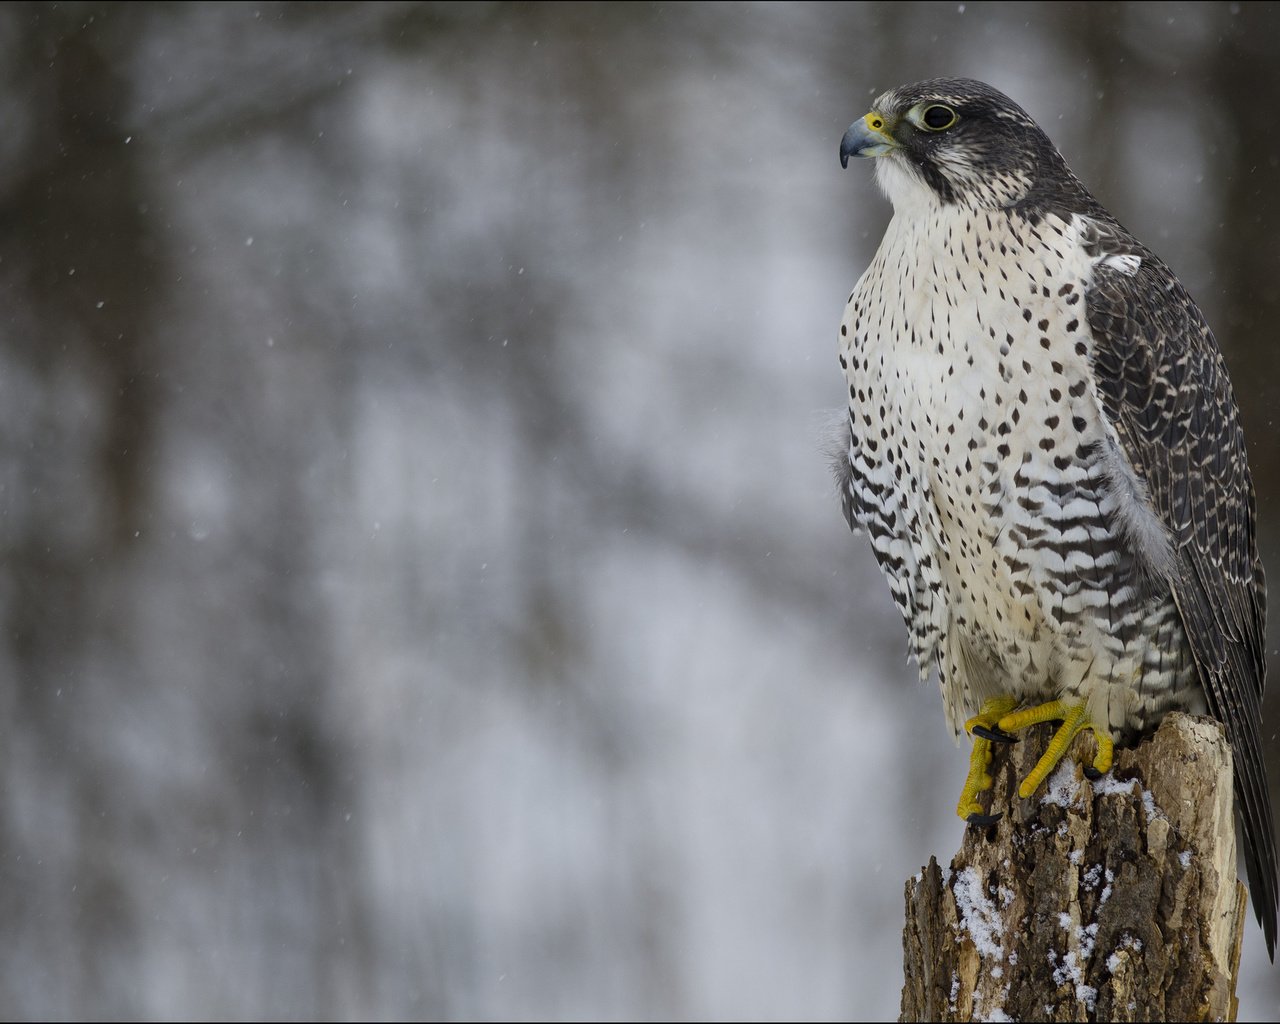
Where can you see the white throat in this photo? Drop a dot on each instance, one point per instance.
(904, 188)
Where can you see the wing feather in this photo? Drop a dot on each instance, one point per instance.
(1165, 390)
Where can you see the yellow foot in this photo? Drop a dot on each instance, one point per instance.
(986, 721)
(1074, 722)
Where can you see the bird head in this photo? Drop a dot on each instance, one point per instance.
(953, 141)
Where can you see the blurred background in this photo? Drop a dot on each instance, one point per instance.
(425, 594)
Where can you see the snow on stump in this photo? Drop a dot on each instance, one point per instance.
(1112, 900)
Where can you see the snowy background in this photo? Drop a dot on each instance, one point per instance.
(425, 593)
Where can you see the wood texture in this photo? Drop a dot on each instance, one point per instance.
(1108, 900)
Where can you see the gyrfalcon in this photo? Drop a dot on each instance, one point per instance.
(1045, 450)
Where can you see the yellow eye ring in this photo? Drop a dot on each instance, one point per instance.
(937, 118)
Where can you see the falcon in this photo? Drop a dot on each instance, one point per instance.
(1045, 451)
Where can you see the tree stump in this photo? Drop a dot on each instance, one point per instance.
(1108, 900)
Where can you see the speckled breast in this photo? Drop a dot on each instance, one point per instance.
(985, 475)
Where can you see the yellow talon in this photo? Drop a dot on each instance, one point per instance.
(1074, 722)
(992, 711)
(999, 715)
(1106, 751)
(980, 759)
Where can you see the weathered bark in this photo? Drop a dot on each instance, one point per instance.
(1112, 900)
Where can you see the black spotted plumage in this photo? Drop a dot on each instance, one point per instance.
(1044, 447)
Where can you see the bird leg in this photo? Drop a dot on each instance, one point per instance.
(985, 729)
(996, 723)
(1074, 721)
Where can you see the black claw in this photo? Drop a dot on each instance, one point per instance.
(983, 820)
(1091, 773)
(993, 734)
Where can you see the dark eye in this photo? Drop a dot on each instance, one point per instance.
(938, 117)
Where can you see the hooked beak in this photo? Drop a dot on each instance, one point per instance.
(867, 136)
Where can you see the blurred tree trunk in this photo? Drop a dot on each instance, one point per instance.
(1116, 901)
(86, 272)
(79, 268)
(1248, 154)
